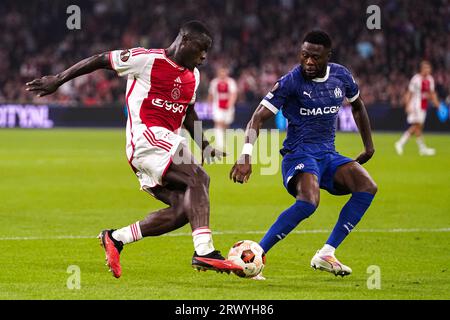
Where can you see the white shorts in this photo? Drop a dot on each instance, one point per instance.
(416, 115)
(153, 153)
(223, 115)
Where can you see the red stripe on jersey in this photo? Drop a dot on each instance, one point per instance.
(136, 54)
(128, 96)
(223, 93)
(131, 126)
(154, 143)
(425, 88)
(159, 140)
(138, 50)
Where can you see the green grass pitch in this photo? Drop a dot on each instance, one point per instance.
(73, 183)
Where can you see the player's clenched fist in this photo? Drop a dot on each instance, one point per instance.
(242, 169)
(43, 86)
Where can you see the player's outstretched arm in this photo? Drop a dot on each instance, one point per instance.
(362, 121)
(242, 169)
(49, 84)
(407, 100)
(193, 125)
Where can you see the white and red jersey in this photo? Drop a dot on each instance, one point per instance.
(221, 91)
(420, 88)
(158, 90)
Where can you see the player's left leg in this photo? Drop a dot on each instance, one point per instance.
(399, 145)
(423, 149)
(354, 178)
(156, 223)
(349, 178)
(159, 222)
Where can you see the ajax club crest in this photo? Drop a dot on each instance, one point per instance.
(175, 94)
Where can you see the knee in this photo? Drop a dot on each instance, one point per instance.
(370, 187)
(373, 189)
(198, 177)
(310, 196)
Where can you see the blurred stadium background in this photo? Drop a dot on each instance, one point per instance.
(258, 40)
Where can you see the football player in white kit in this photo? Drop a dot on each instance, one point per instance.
(222, 95)
(160, 96)
(421, 89)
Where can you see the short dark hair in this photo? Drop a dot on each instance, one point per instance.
(318, 37)
(195, 27)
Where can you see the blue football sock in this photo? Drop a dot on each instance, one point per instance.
(350, 215)
(287, 221)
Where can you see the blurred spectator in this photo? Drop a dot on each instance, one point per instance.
(258, 38)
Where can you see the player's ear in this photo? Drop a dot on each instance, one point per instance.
(329, 54)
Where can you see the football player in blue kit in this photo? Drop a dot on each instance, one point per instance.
(310, 97)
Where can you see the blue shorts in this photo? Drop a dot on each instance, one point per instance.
(323, 165)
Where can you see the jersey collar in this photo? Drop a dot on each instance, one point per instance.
(173, 63)
(325, 78)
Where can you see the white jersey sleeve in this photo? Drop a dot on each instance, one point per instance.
(414, 84)
(197, 82)
(129, 61)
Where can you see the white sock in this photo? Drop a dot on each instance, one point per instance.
(404, 138)
(203, 242)
(327, 250)
(128, 234)
(220, 136)
(421, 143)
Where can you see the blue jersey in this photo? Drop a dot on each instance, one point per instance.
(311, 107)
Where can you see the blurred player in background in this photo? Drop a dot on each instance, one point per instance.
(421, 89)
(222, 95)
(160, 98)
(310, 97)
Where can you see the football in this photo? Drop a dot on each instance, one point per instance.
(250, 256)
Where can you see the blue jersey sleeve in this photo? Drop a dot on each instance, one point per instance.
(276, 98)
(351, 87)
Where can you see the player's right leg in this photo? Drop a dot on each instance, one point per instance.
(305, 186)
(189, 174)
(344, 176)
(423, 149)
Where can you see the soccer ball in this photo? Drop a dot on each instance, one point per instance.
(250, 256)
